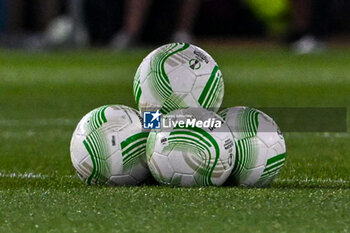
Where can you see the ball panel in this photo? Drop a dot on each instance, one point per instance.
(173, 62)
(198, 60)
(106, 130)
(228, 158)
(116, 164)
(259, 144)
(192, 151)
(84, 168)
(122, 180)
(188, 99)
(139, 170)
(77, 148)
(210, 94)
(250, 177)
(181, 80)
(181, 160)
(160, 168)
(161, 144)
(173, 69)
(188, 181)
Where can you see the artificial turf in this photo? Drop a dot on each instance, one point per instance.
(44, 95)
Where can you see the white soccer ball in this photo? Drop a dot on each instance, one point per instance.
(193, 148)
(178, 75)
(260, 146)
(108, 147)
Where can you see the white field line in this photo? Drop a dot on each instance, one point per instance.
(73, 122)
(7, 134)
(32, 175)
(30, 126)
(321, 135)
(31, 133)
(38, 122)
(23, 175)
(313, 180)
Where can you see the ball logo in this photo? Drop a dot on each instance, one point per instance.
(151, 120)
(194, 64)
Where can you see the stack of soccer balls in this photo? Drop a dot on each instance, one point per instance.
(178, 89)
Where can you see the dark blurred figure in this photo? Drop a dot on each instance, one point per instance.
(310, 25)
(3, 15)
(27, 20)
(38, 12)
(134, 16)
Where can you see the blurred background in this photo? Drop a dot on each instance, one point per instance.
(305, 26)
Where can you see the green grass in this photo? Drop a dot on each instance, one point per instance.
(43, 96)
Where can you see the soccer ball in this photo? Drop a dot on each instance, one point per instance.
(178, 75)
(260, 146)
(108, 147)
(195, 149)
